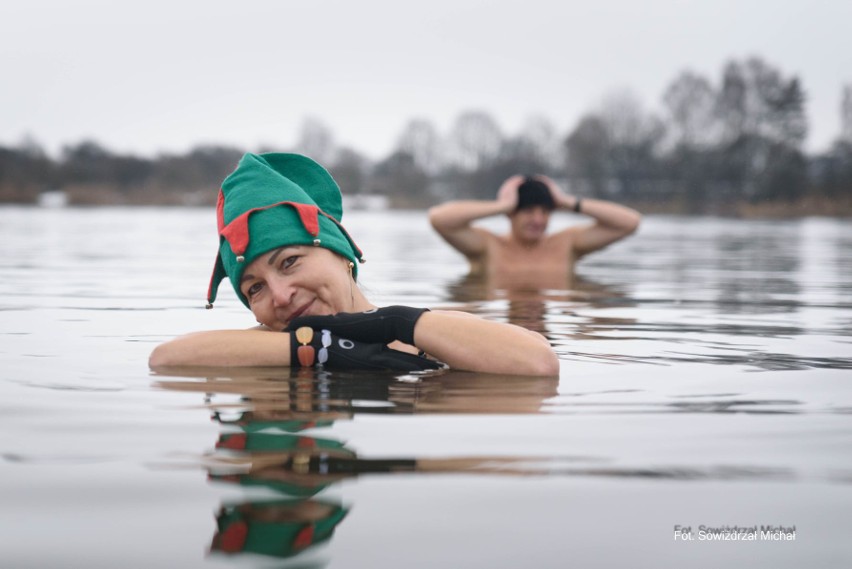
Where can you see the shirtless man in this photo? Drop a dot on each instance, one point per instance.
(528, 255)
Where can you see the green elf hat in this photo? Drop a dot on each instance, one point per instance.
(271, 201)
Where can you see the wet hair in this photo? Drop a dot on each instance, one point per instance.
(533, 193)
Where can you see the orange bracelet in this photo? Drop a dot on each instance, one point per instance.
(306, 353)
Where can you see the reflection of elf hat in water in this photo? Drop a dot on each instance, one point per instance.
(271, 201)
(240, 532)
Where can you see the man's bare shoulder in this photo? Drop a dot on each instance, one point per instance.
(566, 238)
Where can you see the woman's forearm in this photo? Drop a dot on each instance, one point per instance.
(226, 348)
(466, 342)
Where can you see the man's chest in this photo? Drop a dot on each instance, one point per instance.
(548, 256)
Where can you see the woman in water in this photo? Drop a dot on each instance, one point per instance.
(294, 266)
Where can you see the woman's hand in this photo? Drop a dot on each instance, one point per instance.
(310, 347)
(377, 326)
(358, 340)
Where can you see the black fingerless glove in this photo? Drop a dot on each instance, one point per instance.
(310, 347)
(378, 326)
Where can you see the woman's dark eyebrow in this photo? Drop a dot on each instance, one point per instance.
(275, 255)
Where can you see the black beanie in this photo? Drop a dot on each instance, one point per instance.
(533, 192)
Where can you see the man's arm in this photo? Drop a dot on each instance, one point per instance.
(612, 221)
(452, 220)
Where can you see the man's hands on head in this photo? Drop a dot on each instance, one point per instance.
(508, 193)
(560, 198)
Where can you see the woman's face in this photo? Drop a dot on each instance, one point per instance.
(297, 281)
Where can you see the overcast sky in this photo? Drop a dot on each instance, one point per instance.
(163, 76)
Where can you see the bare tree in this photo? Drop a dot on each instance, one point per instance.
(755, 100)
(690, 102)
(846, 115)
(475, 140)
(587, 156)
(633, 136)
(350, 168)
(399, 178)
(694, 132)
(625, 119)
(539, 134)
(316, 140)
(764, 127)
(25, 172)
(420, 140)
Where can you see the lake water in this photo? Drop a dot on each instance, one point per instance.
(706, 380)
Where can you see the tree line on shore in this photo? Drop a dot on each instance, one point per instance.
(712, 148)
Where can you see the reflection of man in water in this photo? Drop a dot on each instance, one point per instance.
(528, 255)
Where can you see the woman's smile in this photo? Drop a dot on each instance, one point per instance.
(298, 280)
(303, 310)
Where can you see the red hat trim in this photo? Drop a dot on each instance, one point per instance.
(233, 538)
(236, 233)
(304, 538)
